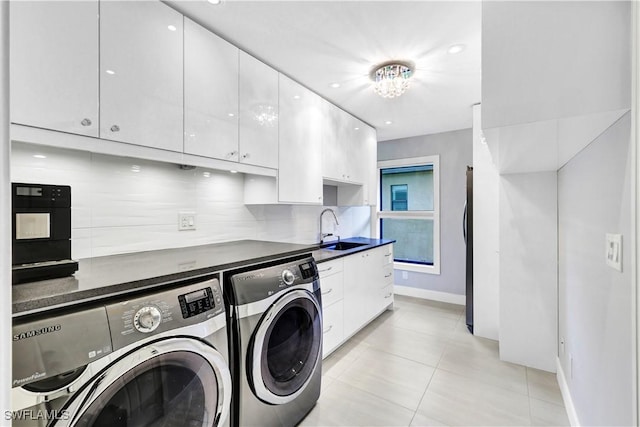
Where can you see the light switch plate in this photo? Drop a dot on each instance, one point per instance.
(186, 220)
(613, 252)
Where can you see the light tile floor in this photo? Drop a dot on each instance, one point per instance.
(418, 366)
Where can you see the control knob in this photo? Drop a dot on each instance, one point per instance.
(288, 277)
(147, 319)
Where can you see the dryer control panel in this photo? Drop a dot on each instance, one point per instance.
(138, 317)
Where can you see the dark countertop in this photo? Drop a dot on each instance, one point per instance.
(106, 276)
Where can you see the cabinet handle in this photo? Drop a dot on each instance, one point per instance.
(231, 154)
(115, 128)
(327, 330)
(85, 122)
(328, 292)
(387, 255)
(388, 275)
(326, 269)
(389, 296)
(245, 156)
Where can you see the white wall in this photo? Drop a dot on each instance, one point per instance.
(122, 204)
(5, 213)
(455, 150)
(596, 314)
(486, 244)
(528, 269)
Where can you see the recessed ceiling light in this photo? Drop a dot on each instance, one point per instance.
(39, 156)
(296, 96)
(388, 122)
(456, 48)
(214, 1)
(111, 72)
(233, 171)
(206, 174)
(356, 128)
(231, 114)
(172, 27)
(335, 85)
(135, 168)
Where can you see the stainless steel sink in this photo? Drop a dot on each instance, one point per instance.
(343, 246)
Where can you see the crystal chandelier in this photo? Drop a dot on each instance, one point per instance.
(391, 79)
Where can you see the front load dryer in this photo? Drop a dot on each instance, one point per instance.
(276, 341)
(156, 359)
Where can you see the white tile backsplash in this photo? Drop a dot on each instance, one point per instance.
(124, 205)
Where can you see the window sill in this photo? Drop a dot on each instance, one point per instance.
(416, 268)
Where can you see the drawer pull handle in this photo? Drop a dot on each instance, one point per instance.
(326, 269)
(115, 128)
(328, 292)
(327, 330)
(389, 296)
(387, 254)
(86, 122)
(388, 275)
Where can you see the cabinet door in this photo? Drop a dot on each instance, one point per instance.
(370, 167)
(300, 151)
(141, 70)
(355, 299)
(54, 65)
(258, 113)
(333, 156)
(332, 327)
(210, 94)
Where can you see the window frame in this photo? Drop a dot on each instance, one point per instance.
(425, 215)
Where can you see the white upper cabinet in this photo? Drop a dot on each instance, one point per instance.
(141, 74)
(54, 65)
(258, 113)
(301, 135)
(333, 156)
(210, 94)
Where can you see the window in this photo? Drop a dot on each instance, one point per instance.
(409, 212)
(399, 194)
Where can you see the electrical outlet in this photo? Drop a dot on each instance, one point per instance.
(186, 221)
(614, 251)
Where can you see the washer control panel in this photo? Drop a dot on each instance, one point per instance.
(256, 285)
(140, 316)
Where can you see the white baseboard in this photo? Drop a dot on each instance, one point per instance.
(431, 295)
(566, 396)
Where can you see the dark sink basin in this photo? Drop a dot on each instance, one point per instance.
(342, 246)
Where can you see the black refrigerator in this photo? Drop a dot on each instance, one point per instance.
(467, 228)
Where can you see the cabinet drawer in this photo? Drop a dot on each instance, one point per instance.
(387, 274)
(330, 267)
(332, 327)
(332, 288)
(385, 296)
(386, 253)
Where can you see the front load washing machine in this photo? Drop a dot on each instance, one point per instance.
(276, 341)
(157, 359)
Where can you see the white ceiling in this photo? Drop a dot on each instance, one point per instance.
(321, 42)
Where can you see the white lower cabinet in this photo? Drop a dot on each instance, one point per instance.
(332, 327)
(355, 290)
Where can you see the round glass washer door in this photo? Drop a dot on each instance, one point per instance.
(286, 348)
(172, 382)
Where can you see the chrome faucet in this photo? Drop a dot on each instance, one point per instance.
(323, 235)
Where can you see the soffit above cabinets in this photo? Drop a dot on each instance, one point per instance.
(318, 43)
